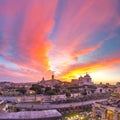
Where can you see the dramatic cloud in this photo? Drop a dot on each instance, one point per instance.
(82, 28)
(71, 37)
(74, 71)
(24, 33)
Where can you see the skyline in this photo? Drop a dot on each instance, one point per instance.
(67, 38)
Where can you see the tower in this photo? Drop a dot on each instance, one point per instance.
(43, 79)
(52, 77)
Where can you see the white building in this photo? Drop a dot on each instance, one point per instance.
(106, 111)
(85, 80)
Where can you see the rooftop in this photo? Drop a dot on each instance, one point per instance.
(30, 115)
(111, 103)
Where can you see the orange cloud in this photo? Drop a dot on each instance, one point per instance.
(77, 25)
(75, 70)
(78, 28)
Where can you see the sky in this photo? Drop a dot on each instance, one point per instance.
(66, 38)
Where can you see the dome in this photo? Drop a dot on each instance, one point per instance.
(87, 75)
(80, 78)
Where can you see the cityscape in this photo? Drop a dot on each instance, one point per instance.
(59, 60)
(80, 99)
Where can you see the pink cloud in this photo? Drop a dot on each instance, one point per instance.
(77, 23)
(30, 43)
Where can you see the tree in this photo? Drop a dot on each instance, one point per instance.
(57, 88)
(22, 90)
(68, 94)
(37, 88)
(47, 89)
(101, 90)
(93, 90)
(50, 92)
(84, 92)
(73, 88)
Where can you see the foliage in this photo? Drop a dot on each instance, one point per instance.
(57, 88)
(74, 86)
(84, 92)
(68, 94)
(50, 92)
(47, 89)
(101, 90)
(37, 88)
(22, 90)
(93, 90)
(92, 87)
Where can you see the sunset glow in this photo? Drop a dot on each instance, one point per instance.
(64, 37)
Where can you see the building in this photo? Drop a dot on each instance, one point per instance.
(3, 106)
(32, 115)
(85, 80)
(118, 84)
(100, 90)
(49, 83)
(109, 110)
(118, 87)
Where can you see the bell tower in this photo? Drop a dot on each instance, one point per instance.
(53, 77)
